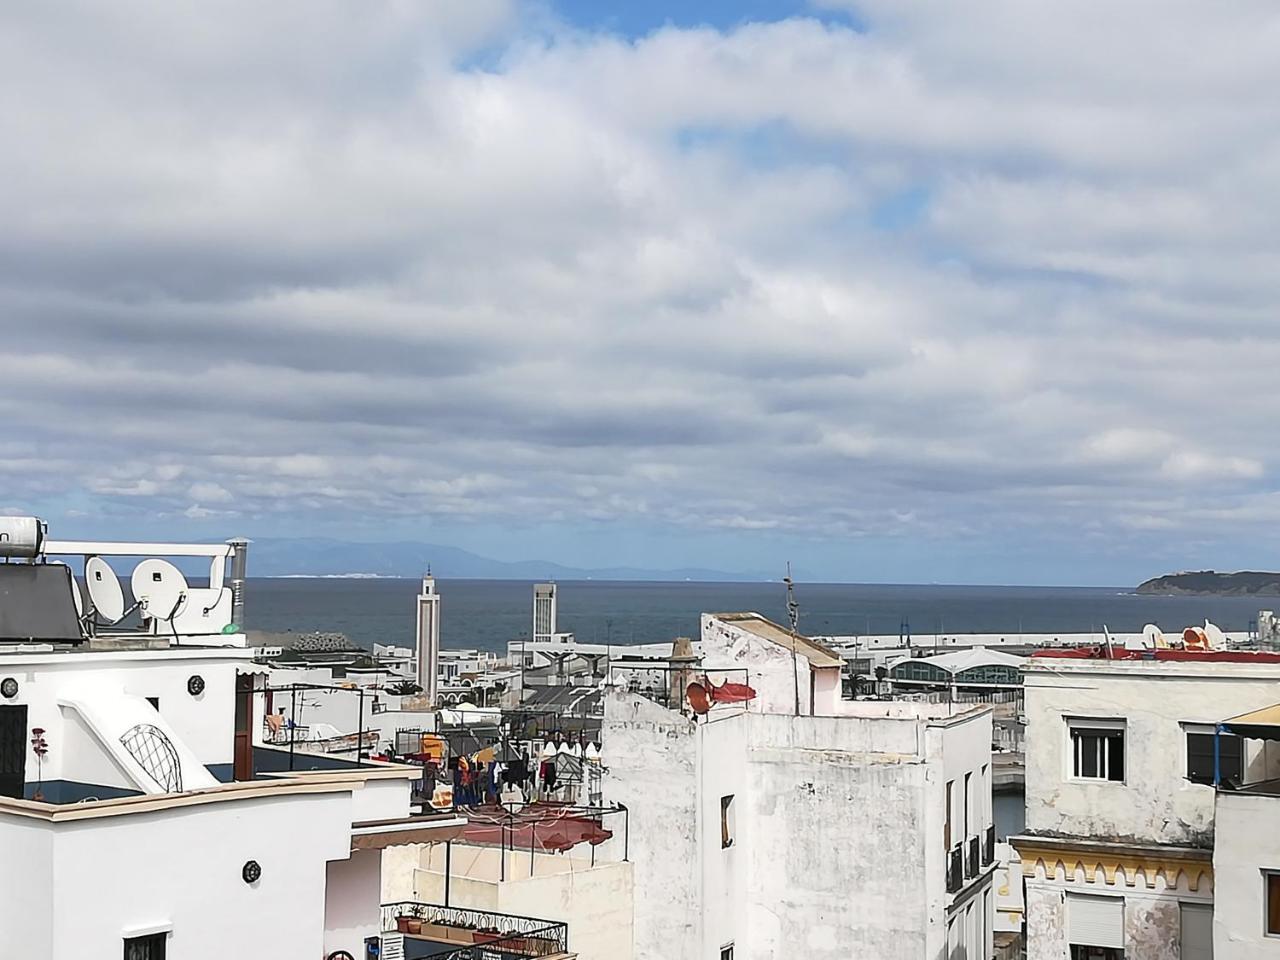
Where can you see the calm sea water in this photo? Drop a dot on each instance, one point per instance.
(485, 614)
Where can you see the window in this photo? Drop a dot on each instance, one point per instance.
(947, 835)
(1273, 903)
(726, 952)
(1200, 754)
(150, 947)
(726, 822)
(1097, 749)
(1195, 931)
(968, 802)
(155, 702)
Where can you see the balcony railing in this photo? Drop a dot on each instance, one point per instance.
(955, 868)
(971, 858)
(989, 846)
(479, 934)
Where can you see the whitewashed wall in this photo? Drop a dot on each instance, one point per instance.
(352, 901)
(1155, 803)
(653, 771)
(771, 670)
(176, 870)
(205, 723)
(1247, 843)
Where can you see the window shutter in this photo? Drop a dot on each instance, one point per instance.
(1095, 921)
(1197, 931)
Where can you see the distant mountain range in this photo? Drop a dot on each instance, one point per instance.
(1245, 583)
(337, 558)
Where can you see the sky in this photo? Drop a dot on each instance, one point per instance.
(976, 292)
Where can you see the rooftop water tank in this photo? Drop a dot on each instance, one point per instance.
(21, 537)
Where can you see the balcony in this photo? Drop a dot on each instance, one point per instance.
(955, 868)
(455, 933)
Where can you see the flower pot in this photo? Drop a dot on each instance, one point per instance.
(414, 925)
(402, 924)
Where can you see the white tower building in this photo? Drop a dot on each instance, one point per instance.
(428, 637)
(544, 612)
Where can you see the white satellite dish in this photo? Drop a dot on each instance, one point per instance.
(104, 590)
(160, 589)
(1214, 635)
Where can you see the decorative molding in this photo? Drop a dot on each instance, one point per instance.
(1131, 868)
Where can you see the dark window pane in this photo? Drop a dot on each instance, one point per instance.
(1115, 768)
(1273, 903)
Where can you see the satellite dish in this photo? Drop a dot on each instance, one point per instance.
(1214, 637)
(1193, 638)
(159, 588)
(104, 590)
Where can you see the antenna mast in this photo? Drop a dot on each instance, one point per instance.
(793, 614)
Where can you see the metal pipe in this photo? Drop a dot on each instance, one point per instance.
(293, 724)
(448, 857)
(1217, 755)
(360, 730)
(239, 571)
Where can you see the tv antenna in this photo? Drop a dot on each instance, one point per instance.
(793, 615)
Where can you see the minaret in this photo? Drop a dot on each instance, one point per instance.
(428, 637)
(544, 612)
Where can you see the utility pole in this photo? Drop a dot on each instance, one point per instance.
(793, 614)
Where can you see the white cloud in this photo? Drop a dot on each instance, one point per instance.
(989, 270)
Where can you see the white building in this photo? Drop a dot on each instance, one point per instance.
(544, 612)
(428, 638)
(141, 816)
(592, 895)
(837, 828)
(1118, 852)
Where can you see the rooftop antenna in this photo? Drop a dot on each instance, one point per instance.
(793, 614)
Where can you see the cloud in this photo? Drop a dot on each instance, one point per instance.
(462, 264)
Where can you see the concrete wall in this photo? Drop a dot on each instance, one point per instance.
(1155, 803)
(26, 908)
(771, 669)
(203, 723)
(88, 884)
(595, 901)
(352, 901)
(837, 835)
(723, 772)
(1247, 843)
(653, 771)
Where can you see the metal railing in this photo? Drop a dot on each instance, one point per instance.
(492, 935)
(665, 682)
(955, 868)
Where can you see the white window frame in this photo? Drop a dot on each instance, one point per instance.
(1095, 723)
(1266, 903)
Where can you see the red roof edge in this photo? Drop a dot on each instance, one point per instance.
(1175, 656)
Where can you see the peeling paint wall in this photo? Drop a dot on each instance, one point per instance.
(653, 770)
(837, 829)
(1156, 803)
(1046, 922)
(776, 675)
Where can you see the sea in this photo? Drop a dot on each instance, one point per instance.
(487, 614)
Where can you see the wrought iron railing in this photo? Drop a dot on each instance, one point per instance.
(955, 868)
(492, 935)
